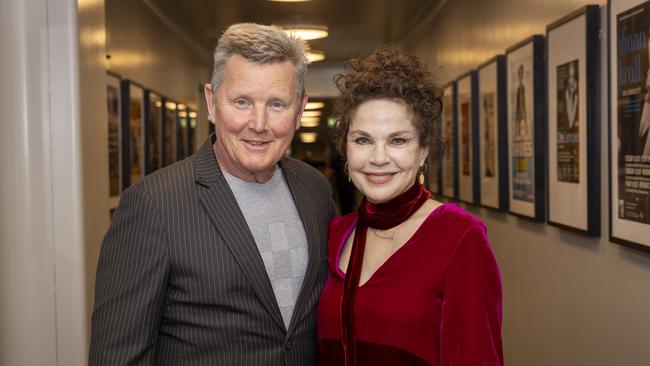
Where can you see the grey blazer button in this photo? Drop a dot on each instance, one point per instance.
(287, 345)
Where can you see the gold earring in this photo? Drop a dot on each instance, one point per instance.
(421, 171)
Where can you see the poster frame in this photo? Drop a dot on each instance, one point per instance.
(128, 88)
(538, 205)
(590, 208)
(115, 80)
(502, 131)
(471, 78)
(623, 236)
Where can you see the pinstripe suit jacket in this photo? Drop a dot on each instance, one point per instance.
(180, 280)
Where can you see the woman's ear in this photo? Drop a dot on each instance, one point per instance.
(424, 153)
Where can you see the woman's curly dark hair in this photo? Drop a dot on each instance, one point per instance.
(389, 73)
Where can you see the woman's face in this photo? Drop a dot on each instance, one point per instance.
(383, 149)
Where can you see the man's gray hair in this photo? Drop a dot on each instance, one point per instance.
(262, 44)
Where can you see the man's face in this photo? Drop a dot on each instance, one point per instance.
(256, 112)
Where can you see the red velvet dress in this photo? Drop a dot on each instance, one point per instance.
(435, 301)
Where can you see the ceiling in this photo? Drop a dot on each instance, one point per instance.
(356, 26)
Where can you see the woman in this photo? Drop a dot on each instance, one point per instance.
(411, 281)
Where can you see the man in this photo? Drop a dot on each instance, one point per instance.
(220, 258)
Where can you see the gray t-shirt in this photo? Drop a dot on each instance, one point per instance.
(273, 220)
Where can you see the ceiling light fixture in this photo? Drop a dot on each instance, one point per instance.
(309, 123)
(315, 56)
(310, 119)
(314, 105)
(312, 113)
(306, 31)
(308, 137)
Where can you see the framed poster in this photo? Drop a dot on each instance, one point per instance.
(574, 121)
(465, 106)
(629, 122)
(133, 134)
(114, 105)
(526, 93)
(492, 134)
(153, 127)
(449, 166)
(181, 132)
(169, 132)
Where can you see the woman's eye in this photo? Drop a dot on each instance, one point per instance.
(362, 140)
(398, 141)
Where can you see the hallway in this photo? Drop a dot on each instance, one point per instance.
(571, 297)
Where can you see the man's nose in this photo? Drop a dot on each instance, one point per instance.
(258, 122)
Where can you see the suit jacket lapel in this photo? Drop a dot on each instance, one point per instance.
(302, 199)
(222, 208)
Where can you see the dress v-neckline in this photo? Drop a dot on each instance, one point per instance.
(349, 231)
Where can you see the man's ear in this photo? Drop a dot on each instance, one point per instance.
(303, 104)
(209, 100)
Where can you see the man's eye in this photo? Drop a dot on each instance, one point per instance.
(277, 105)
(241, 103)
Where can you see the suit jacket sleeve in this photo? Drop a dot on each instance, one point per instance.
(130, 284)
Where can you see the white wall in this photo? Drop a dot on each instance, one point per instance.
(144, 49)
(43, 306)
(27, 304)
(93, 150)
(569, 300)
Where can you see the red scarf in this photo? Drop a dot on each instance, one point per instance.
(381, 216)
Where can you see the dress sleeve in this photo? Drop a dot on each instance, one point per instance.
(471, 307)
(130, 284)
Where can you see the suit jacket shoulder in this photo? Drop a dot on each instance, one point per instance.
(315, 183)
(168, 182)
